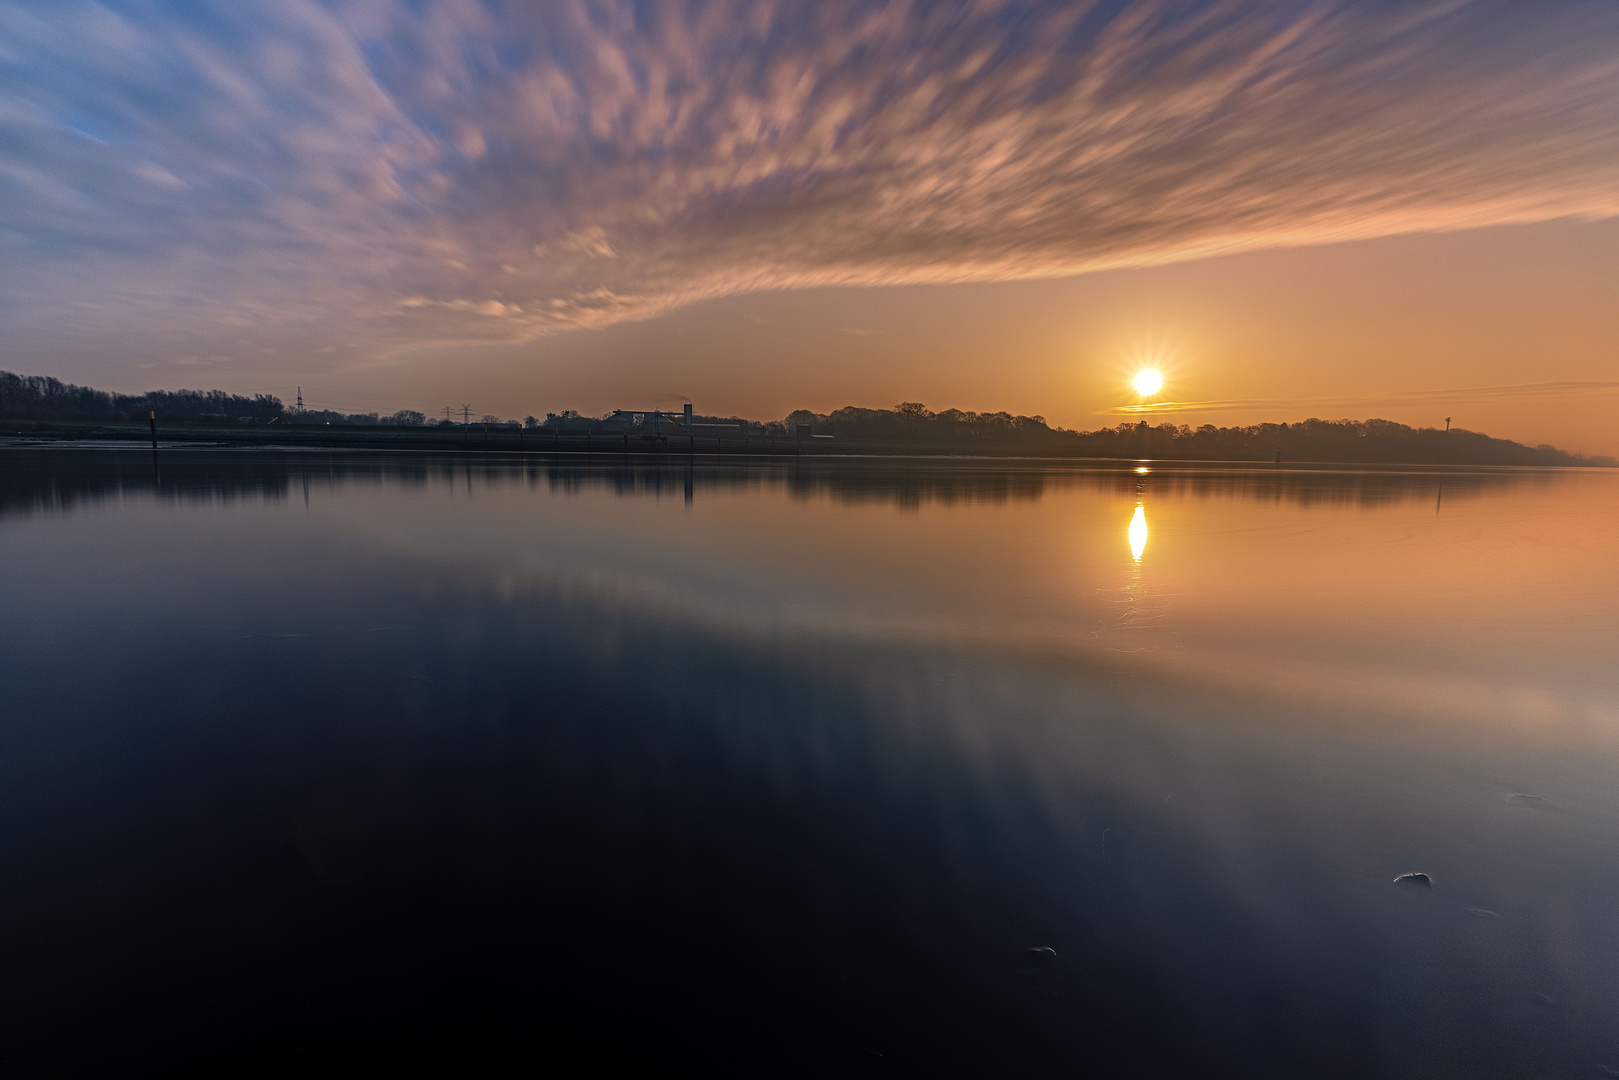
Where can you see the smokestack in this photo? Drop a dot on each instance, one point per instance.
(688, 414)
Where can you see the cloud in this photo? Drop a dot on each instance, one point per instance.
(154, 173)
(591, 241)
(404, 174)
(1458, 396)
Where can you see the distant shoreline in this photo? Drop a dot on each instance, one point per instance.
(507, 441)
(47, 408)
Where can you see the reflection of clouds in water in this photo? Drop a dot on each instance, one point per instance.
(857, 571)
(890, 824)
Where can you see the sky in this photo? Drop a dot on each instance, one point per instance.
(1399, 209)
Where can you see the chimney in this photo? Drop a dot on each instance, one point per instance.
(688, 414)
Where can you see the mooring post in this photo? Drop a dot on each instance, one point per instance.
(152, 419)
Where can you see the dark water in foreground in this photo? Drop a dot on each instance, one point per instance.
(785, 769)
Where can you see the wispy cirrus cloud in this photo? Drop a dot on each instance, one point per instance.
(383, 175)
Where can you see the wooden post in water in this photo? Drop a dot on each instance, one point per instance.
(152, 419)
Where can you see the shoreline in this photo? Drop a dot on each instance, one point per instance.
(538, 442)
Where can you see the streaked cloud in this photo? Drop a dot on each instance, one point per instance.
(1470, 395)
(375, 175)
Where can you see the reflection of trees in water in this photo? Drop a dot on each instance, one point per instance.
(62, 479)
(1334, 486)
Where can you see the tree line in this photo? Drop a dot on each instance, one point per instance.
(40, 397)
(1367, 441)
(908, 424)
(1371, 441)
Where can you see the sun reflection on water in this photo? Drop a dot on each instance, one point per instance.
(1138, 532)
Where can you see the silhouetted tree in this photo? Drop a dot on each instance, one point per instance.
(40, 397)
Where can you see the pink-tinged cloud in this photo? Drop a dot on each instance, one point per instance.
(377, 176)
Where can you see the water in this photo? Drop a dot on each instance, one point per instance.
(881, 768)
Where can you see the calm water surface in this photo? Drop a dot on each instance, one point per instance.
(882, 768)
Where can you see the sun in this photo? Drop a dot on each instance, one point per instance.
(1147, 383)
